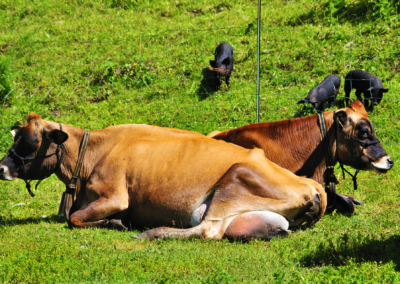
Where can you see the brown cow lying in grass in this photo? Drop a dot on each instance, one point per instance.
(296, 145)
(149, 176)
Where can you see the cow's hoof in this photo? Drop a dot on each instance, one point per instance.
(351, 198)
(143, 235)
(344, 204)
(138, 237)
(157, 233)
(117, 224)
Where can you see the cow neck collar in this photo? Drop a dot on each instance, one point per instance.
(67, 197)
(59, 161)
(330, 178)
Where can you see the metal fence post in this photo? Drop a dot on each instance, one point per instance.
(258, 61)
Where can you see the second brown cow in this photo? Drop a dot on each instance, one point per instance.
(295, 144)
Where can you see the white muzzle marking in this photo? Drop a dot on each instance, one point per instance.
(5, 173)
(383, 163)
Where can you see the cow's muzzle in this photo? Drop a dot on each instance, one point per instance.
(5, 173)
(383, 164)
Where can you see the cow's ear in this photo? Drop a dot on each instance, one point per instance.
(15, 129)
(226, 61)
(57, 136)
(384, 90)
(213, 64)
(341, 117)
(370, 89)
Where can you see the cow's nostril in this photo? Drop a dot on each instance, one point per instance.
(1, 170)
(390, 161)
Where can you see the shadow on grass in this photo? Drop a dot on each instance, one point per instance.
(31, 220)
(209, 84)
(357, 248)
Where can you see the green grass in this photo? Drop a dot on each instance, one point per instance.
(98, 63)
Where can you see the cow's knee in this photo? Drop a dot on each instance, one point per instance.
(314, 210)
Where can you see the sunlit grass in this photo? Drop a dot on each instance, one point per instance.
(98, 63)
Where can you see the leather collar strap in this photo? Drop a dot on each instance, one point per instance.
(82, 150)
(330, 179)
(67, 198)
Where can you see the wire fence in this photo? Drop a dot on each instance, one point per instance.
(163, 78)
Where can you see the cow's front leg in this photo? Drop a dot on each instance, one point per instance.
(94, 214)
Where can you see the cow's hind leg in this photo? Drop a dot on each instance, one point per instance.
(165, 232)
(246, 188)
(251, 225)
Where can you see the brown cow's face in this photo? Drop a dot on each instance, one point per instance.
(350, 152)
(32, 140)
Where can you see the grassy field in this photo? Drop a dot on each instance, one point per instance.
(98, 63)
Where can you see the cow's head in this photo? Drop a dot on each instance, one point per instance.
(32, 142)
(357, 154)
